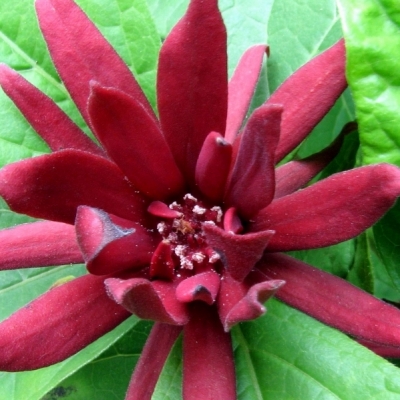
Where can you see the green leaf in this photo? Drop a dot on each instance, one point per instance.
(372, 33)
(288, 355)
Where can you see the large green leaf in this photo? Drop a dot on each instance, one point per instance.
(372, 33)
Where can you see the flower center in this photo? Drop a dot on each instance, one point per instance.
(181, 230)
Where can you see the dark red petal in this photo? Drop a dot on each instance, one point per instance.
(39, 244)
(162, 265)
(241, 88)
(296, 174)
(58, 324)
(160, 209)
(192, 82)
(148, 300)
(239, 253)
(208, 366)
(151, 362)
(332, 210)
(333, 300)
(53, 186)
(383, 351)
(308, 94)
(251, 184)
(81, 54)
(134, 141)
(243, 301)
(46, 118)
(203, 287)
(232, 223)
(110, 244)
(212, 166)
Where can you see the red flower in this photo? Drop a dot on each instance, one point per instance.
(180, 220)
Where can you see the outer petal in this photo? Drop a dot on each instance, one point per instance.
(241, 88)
(58, 324)
(307, 96)
(151, 362)
(48, 120)
(332, 210)
(39, 244)
(134, 141)
(251, 184)
(110, 244)
(53, 186)
(192, 82)
(239, 253)
(333, 300)
(80, 53)
(148, 300)
(208, 367)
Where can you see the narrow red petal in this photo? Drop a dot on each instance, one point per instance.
(296, 174)
(232, 223)
(134, 141)
(38, 244)
(53, 186)
(202, 287)
(161, 210)
(332, 210)
(58, 324)
(208, 366)
(239, 253)
(251, 184)
(151, 362)
(110, 244)
(308, 94)
(162, 265)
(192, 82)
(383, 351)
(48, 120)
(81, 53)
(148, 300)
(212, 166)
(333, 300)
(241, 88)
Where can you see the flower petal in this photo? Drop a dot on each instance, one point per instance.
(151, 362)
(110, 244)
(208, 366)
(241, 88)
(58, 324)
(48, 120)
(203, 287)
(81, 53)
(251, 184)
(134, 141)
(148, 300)
(296, 174)
(332, 210)
(333, 301)
(53, 186)
(212, 166)
(38, 244)
(239, 253)
(308, 95)
(383, 351)
(192, 82)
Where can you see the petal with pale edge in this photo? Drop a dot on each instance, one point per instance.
(208, 366)
(308, 94)
(151, 362)
(53, 186)
(251, 184)
(38, 244)
(148, 300)
(332, 210)
(134, 141)
(56, 325)
(192, 82)
(111, 244)
(48, 120)
(241, 88)
(332, 300)
(239, 253)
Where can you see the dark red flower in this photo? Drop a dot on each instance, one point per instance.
(181, 220)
